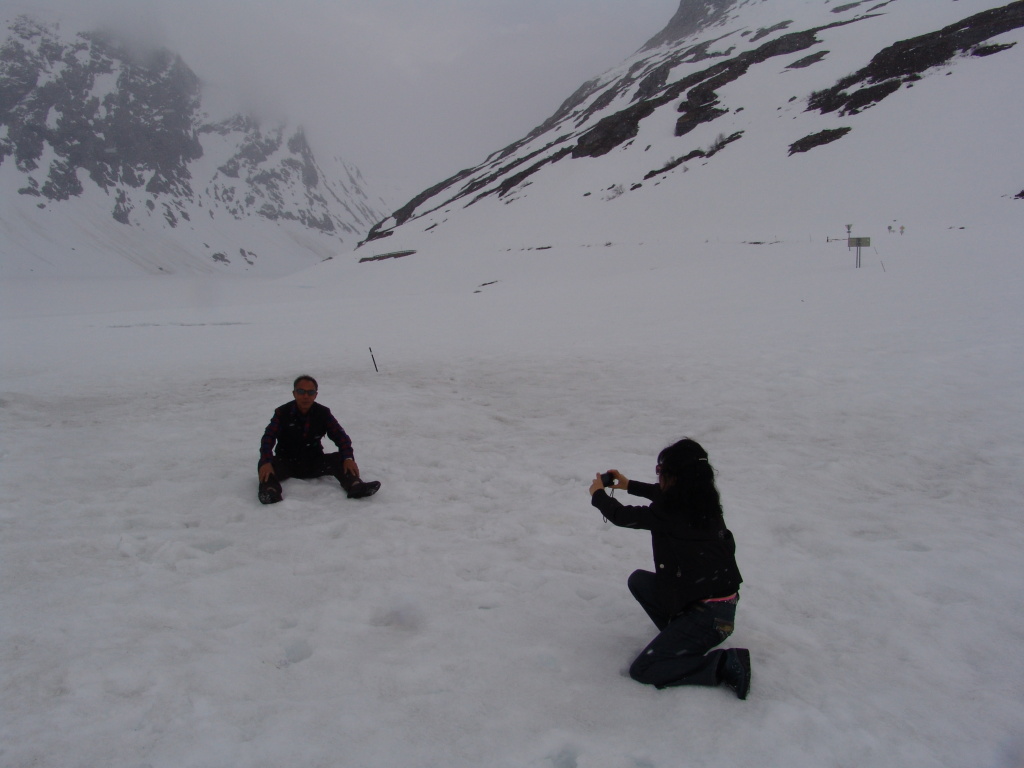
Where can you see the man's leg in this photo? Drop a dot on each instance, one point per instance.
(271, 492)
(355, 487)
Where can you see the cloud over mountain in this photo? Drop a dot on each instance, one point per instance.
(108, 149)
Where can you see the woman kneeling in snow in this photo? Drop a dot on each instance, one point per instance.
(692, 595)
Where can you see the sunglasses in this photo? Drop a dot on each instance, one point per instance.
(310, 392)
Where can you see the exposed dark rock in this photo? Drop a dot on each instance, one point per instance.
(988, 50)
(99, 135)
(586, 129)
(761, 33)
(700, 104)
(601, 102)
(515, 180)
(654, 82)
(653, 91)
(133, 125)
(694, 117)
(406, 211)
(393, 255)
(673, 164)
(818, 139)
(567, 107)
(906, 60)
(122, 208)
(508, 173)
(297, 145)
(702, 52)
(62, 182)
(614, 130)
(807, 61)
(691, 17)
(722, 142)
(31, 189)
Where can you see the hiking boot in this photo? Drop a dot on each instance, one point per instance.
(269, 495)
(361, 490)
(734, 671)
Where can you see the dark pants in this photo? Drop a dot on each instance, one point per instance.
(318, 466)
(679, 654)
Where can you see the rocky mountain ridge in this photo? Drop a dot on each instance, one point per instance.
(694, 77)
(86, 117)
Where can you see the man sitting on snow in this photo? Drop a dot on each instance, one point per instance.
(297, 428)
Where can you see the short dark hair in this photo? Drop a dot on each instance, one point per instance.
(304, 377)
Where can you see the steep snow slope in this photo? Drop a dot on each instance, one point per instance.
(951, 127)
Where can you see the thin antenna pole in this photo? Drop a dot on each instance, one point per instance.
(374, 360)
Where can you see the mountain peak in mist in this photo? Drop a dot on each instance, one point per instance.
(692, 17)
(95, 122)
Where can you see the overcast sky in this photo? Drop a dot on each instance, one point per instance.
(411, 91)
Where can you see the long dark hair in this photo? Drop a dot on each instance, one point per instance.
(691, 483)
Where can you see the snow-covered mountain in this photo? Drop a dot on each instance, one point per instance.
(110, 162)
(850, 107)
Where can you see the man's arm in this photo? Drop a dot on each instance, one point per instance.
(339, 437)
(267, 445)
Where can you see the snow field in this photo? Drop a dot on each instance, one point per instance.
(865, 426)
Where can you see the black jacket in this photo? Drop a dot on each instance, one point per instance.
(690, 564)
(298, 437)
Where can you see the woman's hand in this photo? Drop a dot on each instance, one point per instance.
(621, 481)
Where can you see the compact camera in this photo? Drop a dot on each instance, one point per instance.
(607, 479)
